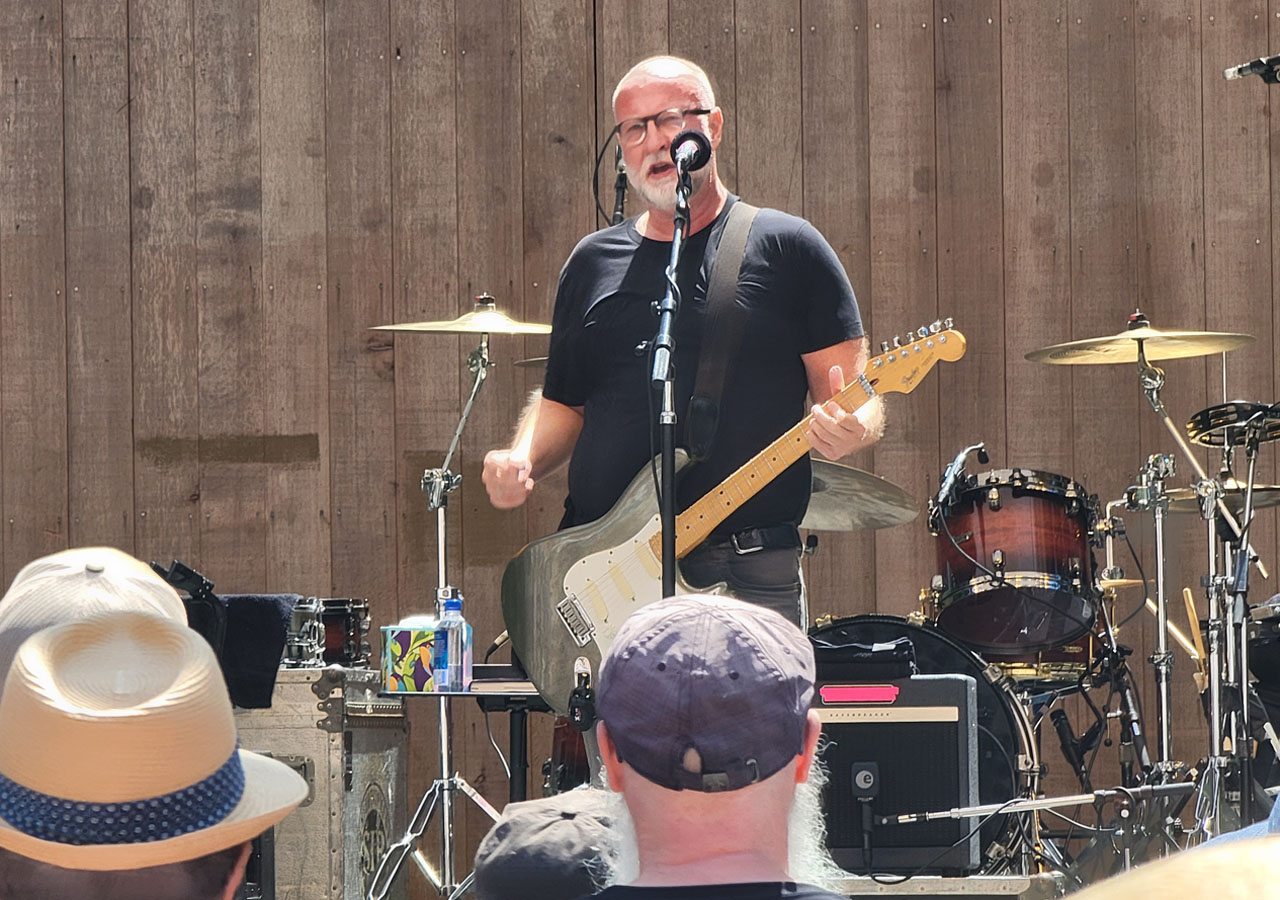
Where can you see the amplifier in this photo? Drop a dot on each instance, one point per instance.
(351, 746)
(908, 745)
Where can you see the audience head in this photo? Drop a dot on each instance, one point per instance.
(118, 754)
(73, 584)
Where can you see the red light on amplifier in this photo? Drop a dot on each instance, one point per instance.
(858, 693)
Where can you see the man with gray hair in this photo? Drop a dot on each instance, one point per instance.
(797, 333)
(709, 747)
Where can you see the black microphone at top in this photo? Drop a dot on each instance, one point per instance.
(690, 150)
(1265, 67)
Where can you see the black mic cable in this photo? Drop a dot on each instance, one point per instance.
(619, 187)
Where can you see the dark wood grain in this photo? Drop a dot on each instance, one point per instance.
(841, 576)
(294, 312)
(95, 66)
(33, 306)
(903, 205)
(233, 521)
(166, 425)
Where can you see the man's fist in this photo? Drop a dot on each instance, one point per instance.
(506, 478)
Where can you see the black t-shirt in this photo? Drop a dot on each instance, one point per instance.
(760, 890)
(798, 300)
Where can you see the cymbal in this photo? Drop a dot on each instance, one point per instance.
(484, 319)
(849, 499)
(1185, 500)
(536, 362)
(1123, 347)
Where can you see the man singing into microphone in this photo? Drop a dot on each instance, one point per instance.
(801, 334)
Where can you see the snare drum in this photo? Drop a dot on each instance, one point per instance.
(1030, 532)
(346, 631)
(326, 631)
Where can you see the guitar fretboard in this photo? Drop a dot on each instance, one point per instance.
(695, 523)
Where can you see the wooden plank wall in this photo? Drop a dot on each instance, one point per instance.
(204, 206)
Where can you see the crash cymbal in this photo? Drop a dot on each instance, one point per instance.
(849, 499)
(484, 319)
(536, 362)
(1123, 347)
(1185, 500)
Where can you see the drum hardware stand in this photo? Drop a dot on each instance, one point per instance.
(1127, 798)
(1149, 494)
(437, 484)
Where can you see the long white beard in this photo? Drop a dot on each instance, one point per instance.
(808, 860)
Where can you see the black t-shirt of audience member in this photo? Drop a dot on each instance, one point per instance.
(765, 890)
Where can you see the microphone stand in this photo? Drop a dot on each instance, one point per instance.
(663, 378)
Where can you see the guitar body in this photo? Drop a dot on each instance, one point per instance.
(564, 597)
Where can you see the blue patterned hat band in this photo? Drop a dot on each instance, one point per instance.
(199, 806)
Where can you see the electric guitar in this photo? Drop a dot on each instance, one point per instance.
(565, 595)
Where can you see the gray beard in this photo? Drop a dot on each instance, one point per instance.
(808, 860)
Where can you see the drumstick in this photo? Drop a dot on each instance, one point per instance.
(1194, 619)
(1175, 633)
(1179, 637)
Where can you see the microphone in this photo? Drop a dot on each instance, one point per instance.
(1253, 67)
(690, 150)
(953, 471)
(1070, 747)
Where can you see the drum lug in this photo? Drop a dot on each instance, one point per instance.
(993, 500)
(997, 562)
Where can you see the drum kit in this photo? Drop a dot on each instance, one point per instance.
(1020, 602)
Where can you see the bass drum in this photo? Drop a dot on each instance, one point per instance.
(1004, 733)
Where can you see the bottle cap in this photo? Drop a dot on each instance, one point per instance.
(454, 602)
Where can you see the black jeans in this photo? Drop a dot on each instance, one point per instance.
(768, 576)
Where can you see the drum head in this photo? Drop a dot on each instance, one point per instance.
(1000, 738)
(1027, 611)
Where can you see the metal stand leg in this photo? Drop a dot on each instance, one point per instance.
(439, 796)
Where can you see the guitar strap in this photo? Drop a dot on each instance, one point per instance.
(721, 333)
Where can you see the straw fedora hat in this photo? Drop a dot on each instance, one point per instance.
(72, 584)
(118, 749)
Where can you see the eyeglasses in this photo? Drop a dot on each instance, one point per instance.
(667, 122)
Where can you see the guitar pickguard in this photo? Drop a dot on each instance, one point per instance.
(606, 586)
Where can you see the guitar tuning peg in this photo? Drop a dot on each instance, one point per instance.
(922, 333)
(884, 346)
(897, 342)
(935, 327)
(946, 323)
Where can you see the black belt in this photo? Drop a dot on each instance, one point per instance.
(765, 537)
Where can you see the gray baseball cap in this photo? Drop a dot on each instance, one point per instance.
(706, 693)
(557, 848)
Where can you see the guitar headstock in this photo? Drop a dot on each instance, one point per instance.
(900, 367)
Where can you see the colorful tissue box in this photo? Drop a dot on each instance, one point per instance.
(406, 658)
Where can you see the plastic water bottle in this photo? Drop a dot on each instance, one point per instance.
(451, 661)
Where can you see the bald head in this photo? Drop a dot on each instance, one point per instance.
(658, 70)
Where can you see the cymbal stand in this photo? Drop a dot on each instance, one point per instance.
(437, 484)
(1242, 737)
(1149, 494)
(1133, 738)
(1152, 379)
